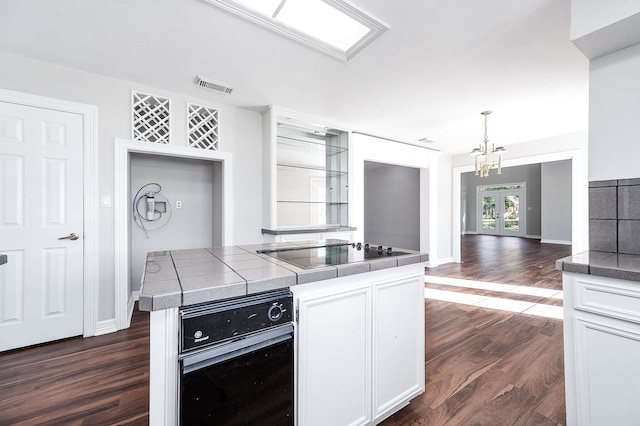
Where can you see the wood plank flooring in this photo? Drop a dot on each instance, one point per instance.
(491, 367)
(484, 367)
(101, 380)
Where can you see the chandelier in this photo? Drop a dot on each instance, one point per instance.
(485, 159)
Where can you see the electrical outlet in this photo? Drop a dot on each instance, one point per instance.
(178, 204)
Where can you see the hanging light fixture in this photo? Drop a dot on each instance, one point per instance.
(485, 159)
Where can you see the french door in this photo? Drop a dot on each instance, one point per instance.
(501, 211)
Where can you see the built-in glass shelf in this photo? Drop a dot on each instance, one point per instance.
(307, 170)
(312, 176)
(312, 202)
(310, 145)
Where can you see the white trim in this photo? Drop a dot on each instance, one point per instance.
(441, 261)
(579, 196)
(431, 205)
(500, 228)
(163, 367)
(535, 237)
(567, 243)
(123, 148)
(106, 327)
(89, 115)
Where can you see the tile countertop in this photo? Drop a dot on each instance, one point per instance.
(185, 277)
(603, 264)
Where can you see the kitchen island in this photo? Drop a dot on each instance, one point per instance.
(359, 321)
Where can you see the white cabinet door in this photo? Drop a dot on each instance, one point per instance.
(334, 358)
(602, 349)
(398, 344)
(607, 372)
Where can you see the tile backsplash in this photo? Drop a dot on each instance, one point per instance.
(614, 216)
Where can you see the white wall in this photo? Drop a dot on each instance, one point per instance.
(614, 115)
(443, 197)
(240, 134)
(556, 202)
(588, 16)
(517, 154)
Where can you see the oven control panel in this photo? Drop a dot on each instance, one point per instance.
(215, 322)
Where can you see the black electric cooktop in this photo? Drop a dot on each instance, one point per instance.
(331, 253)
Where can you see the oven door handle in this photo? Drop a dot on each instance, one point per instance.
(218, 353)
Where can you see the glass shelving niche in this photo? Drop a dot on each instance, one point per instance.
(312, 177)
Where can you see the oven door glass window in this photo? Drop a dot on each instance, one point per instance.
(252, 387)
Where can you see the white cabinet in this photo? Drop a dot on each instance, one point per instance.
(334, 361)
(602, 349)
(360, 346)
(398, 343)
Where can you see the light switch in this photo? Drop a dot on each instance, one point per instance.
(105, 201)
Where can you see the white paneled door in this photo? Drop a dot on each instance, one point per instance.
(41, 218)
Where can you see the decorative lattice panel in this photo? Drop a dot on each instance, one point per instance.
(150, 117)
(203, 127)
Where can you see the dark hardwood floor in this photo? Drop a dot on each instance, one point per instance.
(492, 367)
(484, 367)
(101, 380)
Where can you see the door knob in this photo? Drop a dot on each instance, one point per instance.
(73, 236)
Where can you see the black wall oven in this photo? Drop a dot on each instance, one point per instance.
(236, 361)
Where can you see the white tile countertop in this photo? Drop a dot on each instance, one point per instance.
(178, 278)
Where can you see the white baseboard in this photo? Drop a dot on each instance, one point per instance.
(441, 261)
(106, 327)
(135, 295)
(469, 233)
(533, 237)
(567, 243)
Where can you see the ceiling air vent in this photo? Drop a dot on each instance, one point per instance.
(214, 85)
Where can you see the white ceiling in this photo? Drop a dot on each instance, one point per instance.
(440, 64)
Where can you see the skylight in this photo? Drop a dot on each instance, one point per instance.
(334, 27)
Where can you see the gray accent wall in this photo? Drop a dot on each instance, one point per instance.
(556, 201)
(529, 174)
(192, 226)
(392, 205)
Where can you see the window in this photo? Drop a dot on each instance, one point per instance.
(501, 187)
(334, 27)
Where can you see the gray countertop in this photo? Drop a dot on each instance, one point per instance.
(308, 230)
(185, 277)
(603, 264)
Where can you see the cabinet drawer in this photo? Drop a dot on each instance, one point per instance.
(611, 300)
